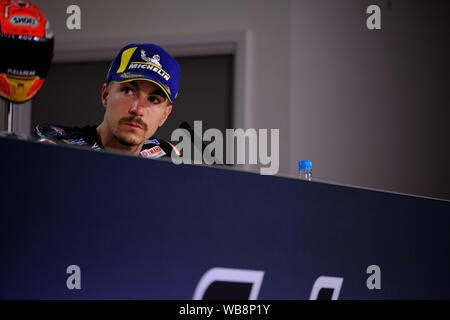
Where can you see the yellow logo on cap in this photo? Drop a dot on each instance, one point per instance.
(126, 56)
(130, 75)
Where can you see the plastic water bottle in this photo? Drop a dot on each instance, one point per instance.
(305, 170)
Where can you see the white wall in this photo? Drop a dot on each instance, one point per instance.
(370, 108)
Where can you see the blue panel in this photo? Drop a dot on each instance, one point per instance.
(148, 229)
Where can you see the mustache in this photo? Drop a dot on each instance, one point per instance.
(135, 120)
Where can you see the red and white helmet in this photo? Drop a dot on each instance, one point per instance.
(27, 45)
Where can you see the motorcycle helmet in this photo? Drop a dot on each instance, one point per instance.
(26, 42)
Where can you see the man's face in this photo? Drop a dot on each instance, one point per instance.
(134, 110)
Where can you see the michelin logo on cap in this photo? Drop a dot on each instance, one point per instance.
(151, 67)
(155, 59)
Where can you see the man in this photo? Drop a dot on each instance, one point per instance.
(141, 85)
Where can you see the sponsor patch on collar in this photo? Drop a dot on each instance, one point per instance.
(153, 153)
(154, 141)
(58, 131)
(75, 141)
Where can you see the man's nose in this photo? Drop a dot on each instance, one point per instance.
(137, 106)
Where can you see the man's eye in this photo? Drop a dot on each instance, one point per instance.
(127, 90)
(155, 99)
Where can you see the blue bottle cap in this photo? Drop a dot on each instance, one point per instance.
(305, 165)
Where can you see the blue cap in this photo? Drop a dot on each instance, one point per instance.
(147, 62)
(305, 165)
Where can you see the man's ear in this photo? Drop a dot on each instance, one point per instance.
(166, 114)
(105, 92)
